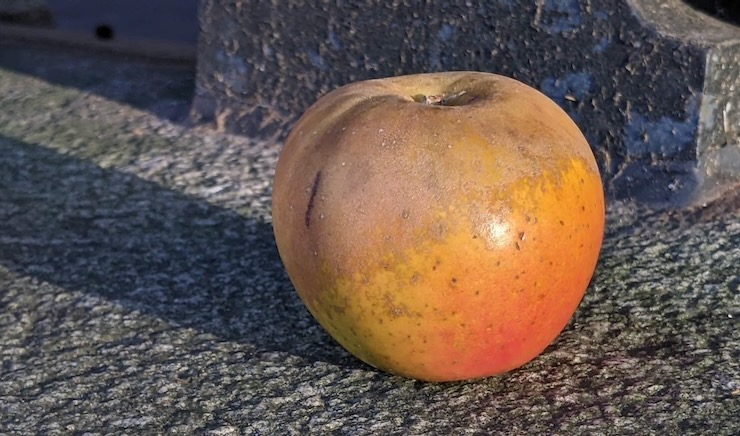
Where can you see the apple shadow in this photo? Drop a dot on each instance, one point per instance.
(80, 227)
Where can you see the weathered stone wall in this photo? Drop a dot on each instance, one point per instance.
(653, 84)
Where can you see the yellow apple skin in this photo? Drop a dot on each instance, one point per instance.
(439, 226)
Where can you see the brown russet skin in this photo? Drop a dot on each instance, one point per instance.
(439, 226)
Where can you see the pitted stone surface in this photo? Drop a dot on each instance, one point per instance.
(142, 293)
(650, 82)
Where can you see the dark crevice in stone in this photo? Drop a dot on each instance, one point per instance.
(727, 10)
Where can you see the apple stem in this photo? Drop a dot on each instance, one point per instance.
(427, 99)
(439, 100)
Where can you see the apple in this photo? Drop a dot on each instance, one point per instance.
(439, 226)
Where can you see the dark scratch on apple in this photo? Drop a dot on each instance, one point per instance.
(314, 190)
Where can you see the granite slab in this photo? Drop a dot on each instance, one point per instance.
(141, 291)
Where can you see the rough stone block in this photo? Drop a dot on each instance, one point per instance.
(654, 84)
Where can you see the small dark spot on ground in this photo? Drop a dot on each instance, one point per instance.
(104, 32)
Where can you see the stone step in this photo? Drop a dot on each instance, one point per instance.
(155, 50)
(28, 12)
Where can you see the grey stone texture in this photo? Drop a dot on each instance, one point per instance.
(141, 291)
(653, 84)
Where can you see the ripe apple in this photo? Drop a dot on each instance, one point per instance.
(439, 226)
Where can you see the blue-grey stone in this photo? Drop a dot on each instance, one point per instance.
(654, 84)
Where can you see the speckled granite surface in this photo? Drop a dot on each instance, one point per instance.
(141, 292)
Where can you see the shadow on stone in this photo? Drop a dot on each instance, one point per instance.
(165, 90)
(84, 228)
(728, 10)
